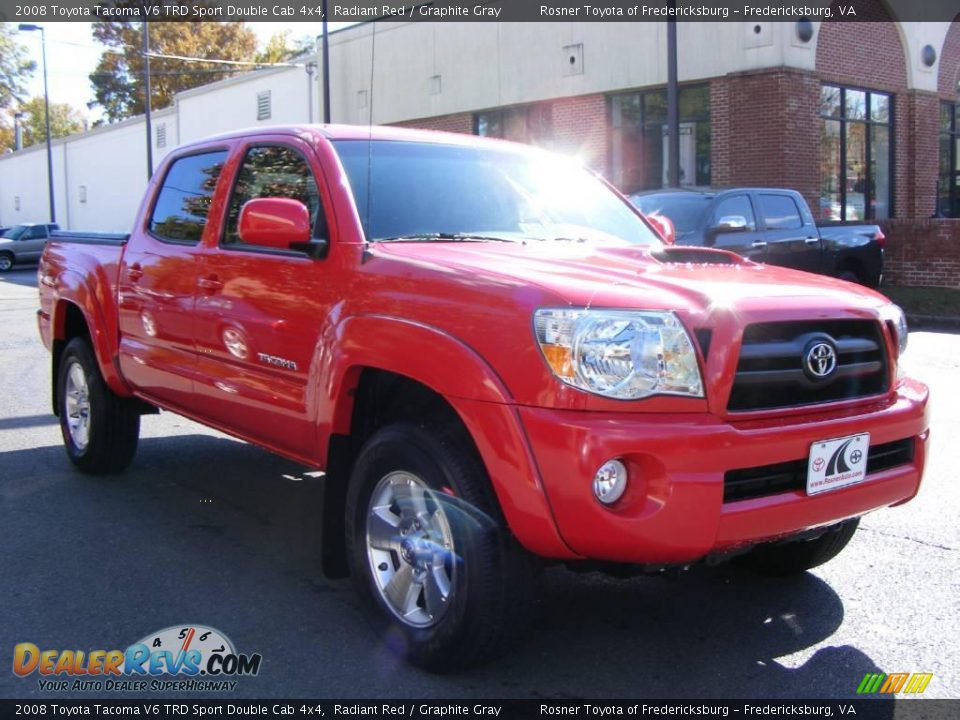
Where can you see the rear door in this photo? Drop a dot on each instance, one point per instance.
(792, 238)
(747, 242)
(259, 310)
(158, 279)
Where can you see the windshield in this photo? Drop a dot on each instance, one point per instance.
(455, 192)
(684, 211)
(16, 231)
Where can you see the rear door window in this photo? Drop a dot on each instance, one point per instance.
(183, 203)
(780, 212)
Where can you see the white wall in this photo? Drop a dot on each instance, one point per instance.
(232, 104)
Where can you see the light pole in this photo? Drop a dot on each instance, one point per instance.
(23, 27)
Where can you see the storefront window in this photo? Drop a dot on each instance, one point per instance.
(639, 138)
(531, 124)
(948, 184)
(856, 154)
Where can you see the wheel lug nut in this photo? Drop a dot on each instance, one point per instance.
(382, 567)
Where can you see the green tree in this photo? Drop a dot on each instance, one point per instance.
(15, 68)
(118, 80)
(64, 120)
(279, 49)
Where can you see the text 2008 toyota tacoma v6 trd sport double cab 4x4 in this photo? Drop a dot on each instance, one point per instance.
(495, 359)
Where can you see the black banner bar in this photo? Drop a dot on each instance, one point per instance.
(875, 709)
(473, 10)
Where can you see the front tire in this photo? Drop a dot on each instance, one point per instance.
(442, 580)
(6, 262)
(100, 429)
(791, 558)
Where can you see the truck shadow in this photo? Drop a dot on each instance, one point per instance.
(25, 275)
(209, 530)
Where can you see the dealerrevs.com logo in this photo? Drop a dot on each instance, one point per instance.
(178, 658)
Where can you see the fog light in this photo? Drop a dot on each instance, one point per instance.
(610, 482)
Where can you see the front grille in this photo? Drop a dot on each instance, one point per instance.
(770, 371)
(765, 480)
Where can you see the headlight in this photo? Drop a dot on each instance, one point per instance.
(894, 317)
(621, 354)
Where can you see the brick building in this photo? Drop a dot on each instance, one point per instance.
(860, 116)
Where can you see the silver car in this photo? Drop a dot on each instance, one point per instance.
(24, 243)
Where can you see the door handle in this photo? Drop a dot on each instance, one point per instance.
(811, 240)
(759, 245)
(211, 282)
(135, 272)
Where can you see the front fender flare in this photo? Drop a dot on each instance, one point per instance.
(451, 368)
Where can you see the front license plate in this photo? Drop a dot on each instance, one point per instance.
(837, 463)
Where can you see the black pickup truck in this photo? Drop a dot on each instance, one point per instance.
(769, 225)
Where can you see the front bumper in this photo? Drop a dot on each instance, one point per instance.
(673, 510)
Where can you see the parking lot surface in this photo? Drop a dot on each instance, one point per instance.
(205, 529)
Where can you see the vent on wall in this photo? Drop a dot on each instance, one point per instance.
(263, 105)
(161, 135)
(573, 60)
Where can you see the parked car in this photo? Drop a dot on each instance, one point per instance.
(495, 361)
(24, 243)
(770, 225)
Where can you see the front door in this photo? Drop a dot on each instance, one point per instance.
(259, 311)
(747, 242)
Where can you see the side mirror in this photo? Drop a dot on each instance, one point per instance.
(730, 224)
(664, 227)
(274, 223)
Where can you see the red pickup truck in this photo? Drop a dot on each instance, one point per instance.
(495, 360)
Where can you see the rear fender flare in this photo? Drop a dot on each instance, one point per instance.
(73, 289)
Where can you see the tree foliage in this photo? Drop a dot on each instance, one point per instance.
(15, 71)
(64, 120)
(15, 68)
(118, 80)
(279, 48)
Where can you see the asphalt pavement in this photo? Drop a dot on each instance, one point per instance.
(206, 529)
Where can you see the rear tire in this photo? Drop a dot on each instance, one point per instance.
(6, 262)
(790, 558)
(443, 582)
(100, 429)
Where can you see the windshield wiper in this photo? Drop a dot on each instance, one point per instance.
(445, 237)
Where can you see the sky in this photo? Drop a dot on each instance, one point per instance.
(72, 54)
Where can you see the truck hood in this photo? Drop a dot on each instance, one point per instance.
(693, 280)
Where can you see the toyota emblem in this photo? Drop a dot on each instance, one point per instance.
(821, 360)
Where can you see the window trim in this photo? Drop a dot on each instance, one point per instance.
(258, 249)
(868, 122)
(173, 160)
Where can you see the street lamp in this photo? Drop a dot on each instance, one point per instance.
(24, 27)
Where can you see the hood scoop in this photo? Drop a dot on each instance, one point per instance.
(696, 256)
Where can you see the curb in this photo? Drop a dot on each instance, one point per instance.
(933, 322)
